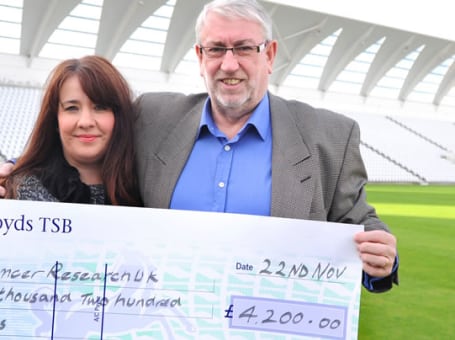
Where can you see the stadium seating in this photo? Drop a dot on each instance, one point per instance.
(407, 149)
(18, 110)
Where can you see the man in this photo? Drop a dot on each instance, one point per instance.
(243, 150)
(240, 149)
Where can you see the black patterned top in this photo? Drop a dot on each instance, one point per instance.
(31, 189)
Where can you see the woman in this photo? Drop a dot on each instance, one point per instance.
(81, 147)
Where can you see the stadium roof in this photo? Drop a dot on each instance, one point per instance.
(152, 40)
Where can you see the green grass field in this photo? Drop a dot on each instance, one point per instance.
(423, 305)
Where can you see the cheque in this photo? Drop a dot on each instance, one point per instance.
(76, 271)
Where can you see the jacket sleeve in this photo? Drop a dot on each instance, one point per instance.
(349, 205)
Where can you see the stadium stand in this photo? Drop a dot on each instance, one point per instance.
(439, 133)
(18, 110)
(395, 149)
(416, 151)
(384, 169)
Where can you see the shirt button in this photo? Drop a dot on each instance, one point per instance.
(221, 184)
(227, 148)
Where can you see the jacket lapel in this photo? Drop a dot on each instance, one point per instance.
(292, 165)
(174, 151)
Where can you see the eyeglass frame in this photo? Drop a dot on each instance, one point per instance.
(258, 48)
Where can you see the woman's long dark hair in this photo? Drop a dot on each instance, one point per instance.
(104, 85)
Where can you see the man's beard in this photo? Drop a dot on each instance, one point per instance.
(232, 102)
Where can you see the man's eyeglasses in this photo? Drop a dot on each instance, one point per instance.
(240, 51)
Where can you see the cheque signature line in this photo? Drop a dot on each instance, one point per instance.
(202, 316)
(75, 285)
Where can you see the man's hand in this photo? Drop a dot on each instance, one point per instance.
(377, 250)
(5, 170)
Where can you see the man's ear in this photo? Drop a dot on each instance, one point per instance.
(271, 49)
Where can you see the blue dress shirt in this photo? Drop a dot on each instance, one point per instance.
(233, 175)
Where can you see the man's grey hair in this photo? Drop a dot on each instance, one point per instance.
(235, 9)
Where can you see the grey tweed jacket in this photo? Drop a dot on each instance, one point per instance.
(317, 170)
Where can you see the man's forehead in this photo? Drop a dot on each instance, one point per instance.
(229, 42)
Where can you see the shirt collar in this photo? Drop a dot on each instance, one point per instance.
(260, 119)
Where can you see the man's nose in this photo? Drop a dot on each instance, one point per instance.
(230, 61)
